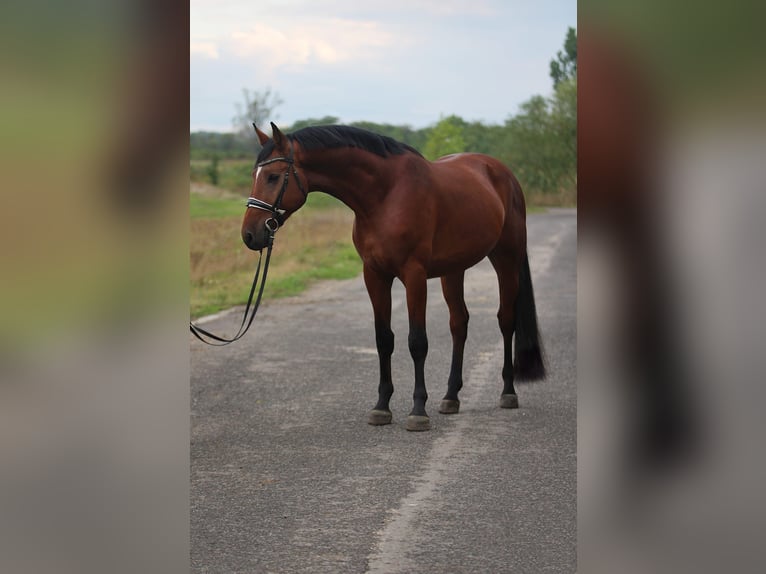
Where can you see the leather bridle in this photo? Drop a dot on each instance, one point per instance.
(272, 224)
(277, 215)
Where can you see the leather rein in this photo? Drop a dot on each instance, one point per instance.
(272, 224)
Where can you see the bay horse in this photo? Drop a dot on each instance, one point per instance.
(414, 220)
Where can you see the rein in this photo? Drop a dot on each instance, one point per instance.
(272, 224)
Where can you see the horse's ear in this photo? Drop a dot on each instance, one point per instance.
(279, 137)
(262, 137)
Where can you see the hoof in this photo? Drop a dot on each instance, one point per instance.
(418, 423)
(379, 418)
(449, 407)
(509, 402)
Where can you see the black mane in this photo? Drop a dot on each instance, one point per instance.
(329, 137)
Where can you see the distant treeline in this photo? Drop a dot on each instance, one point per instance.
(538, 143)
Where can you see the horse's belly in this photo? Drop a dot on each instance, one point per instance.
(440, 268)
(461, 239)
(461, 252)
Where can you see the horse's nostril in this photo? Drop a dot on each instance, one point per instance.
(248, 237)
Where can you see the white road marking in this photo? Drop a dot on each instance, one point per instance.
(398, 537)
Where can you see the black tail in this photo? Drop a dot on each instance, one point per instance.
(529, 361)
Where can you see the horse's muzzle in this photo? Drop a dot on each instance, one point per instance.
(256, 239)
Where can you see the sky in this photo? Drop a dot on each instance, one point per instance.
(387, 61)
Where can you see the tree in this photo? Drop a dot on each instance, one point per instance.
(259, 108)
(564, 66)
(529, 143)
(445, 138)
(542, 142)
(564, 125)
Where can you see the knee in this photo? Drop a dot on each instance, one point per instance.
(418, 343)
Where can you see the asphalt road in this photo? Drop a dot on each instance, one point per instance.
(287, 476)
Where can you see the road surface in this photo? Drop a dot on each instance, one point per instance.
(287, 476)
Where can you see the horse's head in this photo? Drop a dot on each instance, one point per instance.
(278, 190)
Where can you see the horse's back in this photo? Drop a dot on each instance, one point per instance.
(476, 171)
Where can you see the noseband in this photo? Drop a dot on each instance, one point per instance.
(277, 215)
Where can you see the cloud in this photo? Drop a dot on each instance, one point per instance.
(206, 49)
(327, 41)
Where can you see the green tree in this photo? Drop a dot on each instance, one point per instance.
(528, 146)
(563, 118)
(541, 145)
(203, 145)
(445, 138)
(482, 138)
(564, 66)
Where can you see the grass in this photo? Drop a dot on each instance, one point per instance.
(202, 206)
(337, 261)
(539, 201)
(314, 245)
(234, 175)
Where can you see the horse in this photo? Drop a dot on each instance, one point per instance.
(414, 220)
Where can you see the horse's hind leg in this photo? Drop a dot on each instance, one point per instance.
(414, 279)
(379, 289)
(452, 288)
(507, 269)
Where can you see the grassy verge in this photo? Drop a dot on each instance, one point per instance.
(315, 244)
(205, 207)
(537, 201)
(233, 174)
(337, 261)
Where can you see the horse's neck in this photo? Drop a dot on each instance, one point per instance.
(356, 178)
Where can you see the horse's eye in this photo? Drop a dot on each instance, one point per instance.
(273, 177)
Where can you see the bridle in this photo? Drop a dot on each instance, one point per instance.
(277, 215)
(272, 224)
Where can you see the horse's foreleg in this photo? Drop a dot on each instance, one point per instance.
(452, 288)
(415, 284)
(379, 289)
